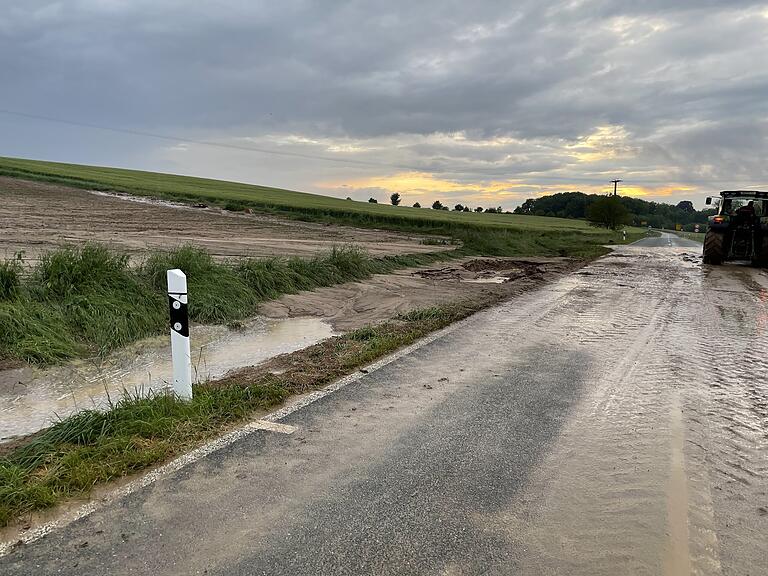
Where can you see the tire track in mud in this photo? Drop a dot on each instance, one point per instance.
(730, 411)
(663, 466)
(570, 534)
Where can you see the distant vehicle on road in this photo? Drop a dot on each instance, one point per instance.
(739, 230)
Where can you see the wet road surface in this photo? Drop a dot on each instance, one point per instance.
(613, 422)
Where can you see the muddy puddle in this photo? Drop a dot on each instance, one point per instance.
(33, 398)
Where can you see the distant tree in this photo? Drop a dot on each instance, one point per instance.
(479, 209)
(348, 198)
(458, 208)
(467, 209)
(437, 205)
(608, 212)
(395, 199)
(373, 200)
(526, 207)
(416, 205)
(490, 210)
(686, 206)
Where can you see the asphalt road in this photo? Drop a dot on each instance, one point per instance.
(667, 240)
(613, 422)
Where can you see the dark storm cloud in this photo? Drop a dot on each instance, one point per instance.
(685, 80)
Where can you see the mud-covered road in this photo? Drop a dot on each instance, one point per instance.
(612, 422)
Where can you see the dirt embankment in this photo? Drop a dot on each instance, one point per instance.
(37, 217)
(355, 304)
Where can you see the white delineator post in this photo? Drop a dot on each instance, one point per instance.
(180, 350)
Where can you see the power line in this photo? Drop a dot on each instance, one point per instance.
(320, 157)
(208, 142)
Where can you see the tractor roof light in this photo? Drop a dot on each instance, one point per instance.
(744, 194)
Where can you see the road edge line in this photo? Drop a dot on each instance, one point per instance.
(227, 439)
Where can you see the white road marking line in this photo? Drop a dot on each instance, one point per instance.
(269, 423)
(272, 427)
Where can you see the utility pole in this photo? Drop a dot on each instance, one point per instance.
(615, 185)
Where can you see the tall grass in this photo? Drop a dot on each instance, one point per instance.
(92, 447)
(90, 300)
(104, 303)
(218, 293)
(10, 278)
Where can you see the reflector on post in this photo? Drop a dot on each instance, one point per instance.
(180, 348)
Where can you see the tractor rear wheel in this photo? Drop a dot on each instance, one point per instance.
(713, 247)
(761, 259)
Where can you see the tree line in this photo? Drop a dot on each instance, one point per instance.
(395, 199)
(609, 211)
(622, 210)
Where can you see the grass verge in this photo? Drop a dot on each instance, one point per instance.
(93, 447)
(86, 300)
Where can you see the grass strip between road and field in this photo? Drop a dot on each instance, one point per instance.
(93, 447)
(87, 300)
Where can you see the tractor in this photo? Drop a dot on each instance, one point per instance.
(739, 229)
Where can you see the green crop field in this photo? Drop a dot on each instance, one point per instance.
(485, 234)
(171, 186)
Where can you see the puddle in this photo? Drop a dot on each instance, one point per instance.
(489, 280)
(32, 398)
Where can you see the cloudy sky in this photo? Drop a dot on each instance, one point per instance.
(479, 102)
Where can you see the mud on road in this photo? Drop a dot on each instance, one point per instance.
(355, 304)
(614, 421)
(37, 217)
(663, 467)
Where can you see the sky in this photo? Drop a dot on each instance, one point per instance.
(480, 103)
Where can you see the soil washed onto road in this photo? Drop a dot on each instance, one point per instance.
(614, 421)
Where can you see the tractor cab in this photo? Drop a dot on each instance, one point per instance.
(739, 230)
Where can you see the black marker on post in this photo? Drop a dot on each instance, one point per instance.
(180, 349)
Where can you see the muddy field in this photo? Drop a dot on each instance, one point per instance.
(355, 304)
(36, 217)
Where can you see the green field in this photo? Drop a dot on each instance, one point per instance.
(570, 235)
